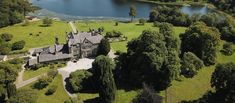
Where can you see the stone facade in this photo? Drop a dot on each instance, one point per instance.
(79, 45)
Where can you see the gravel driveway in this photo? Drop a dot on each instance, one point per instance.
(81, 64)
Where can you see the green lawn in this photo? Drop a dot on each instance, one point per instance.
(58, 28)
(130, 30)
(33, 73)
(58, 97)
(121, 97)
(46, 37)
(194, 88)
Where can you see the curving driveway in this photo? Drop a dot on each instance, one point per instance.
(81, 64)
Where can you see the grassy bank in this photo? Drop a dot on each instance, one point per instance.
(58, 97)
(177, 3)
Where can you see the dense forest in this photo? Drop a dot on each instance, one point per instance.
(225, 5)
(14, 11)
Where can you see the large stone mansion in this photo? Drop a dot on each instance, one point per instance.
(79, 45)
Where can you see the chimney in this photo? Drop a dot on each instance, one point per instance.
(55, 46)
(56, 43)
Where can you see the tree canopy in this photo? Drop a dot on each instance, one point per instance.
(201, 40)
(171, 15)
(14, 11)
(152, 58)
(104, 47)
(103, 67)
(8, 74)
(24, 96)
(147, 95)
(190, 64)
(132, 12)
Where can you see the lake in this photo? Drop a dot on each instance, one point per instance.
(78, 9)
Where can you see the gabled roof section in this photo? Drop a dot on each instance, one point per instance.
(80, 37)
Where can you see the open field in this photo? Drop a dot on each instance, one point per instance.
(130, 30)
(58, 28)
(46, 37)
(58, 97)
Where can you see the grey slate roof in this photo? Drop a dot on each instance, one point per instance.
(52, 57)
(80, 37)
(51, 49)
(32, 61)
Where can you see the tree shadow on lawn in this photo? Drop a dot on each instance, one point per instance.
(139, 24)
(44, 25)
(88, 88)
(93, 100)
(125, 21)
(68, 87)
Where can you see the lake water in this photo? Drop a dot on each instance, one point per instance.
(69, 9)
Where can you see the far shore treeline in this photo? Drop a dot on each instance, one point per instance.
(14, 11)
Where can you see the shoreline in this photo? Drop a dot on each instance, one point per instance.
(185, 3)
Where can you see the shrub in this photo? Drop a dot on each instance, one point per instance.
(18, 45)
(47, 21)
(51, 90)
(6, 37)
(76, 78)
(190, 64)
(43, 82)
(227, 49)
(104, 47)
(60, 65)
(156, 24)
(16, 61)
(101, 29)
(24, 96)
(116, 23)
(142, 21)
(5, 48)
(36, 66)
(52, 66)
(113, 34)
(118, 52)
(52, 73)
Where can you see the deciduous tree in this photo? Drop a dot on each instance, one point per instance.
(201, 40)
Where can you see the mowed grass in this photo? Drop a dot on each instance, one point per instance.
(33, 73)
(59, 29)
(58, 97)
(46, 37)
(196, 87)
(130, 30)
(121, 97)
